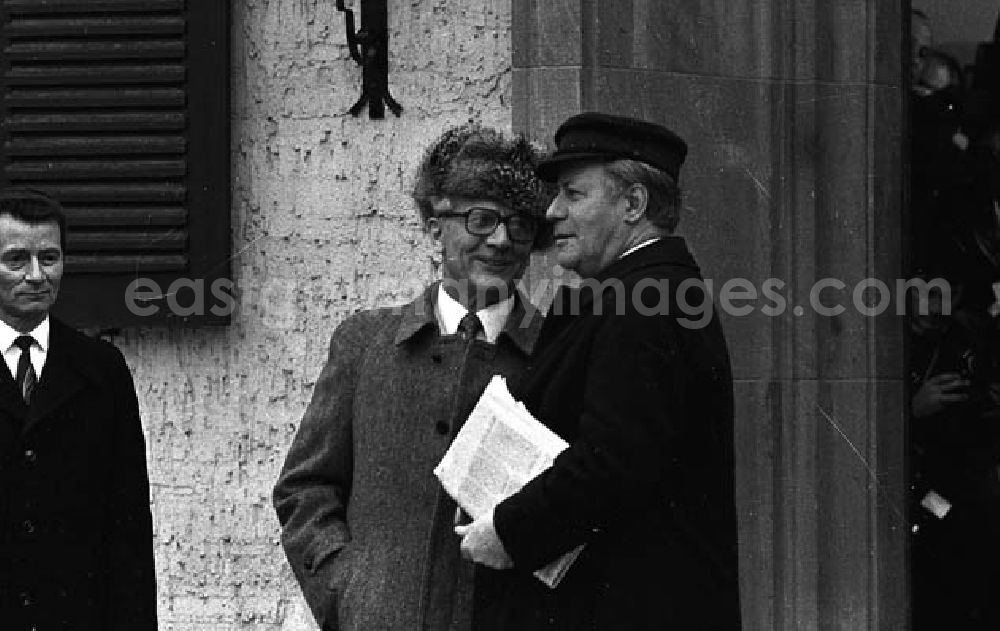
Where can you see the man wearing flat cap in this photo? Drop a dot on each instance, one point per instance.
(642, 395)
(366, 526)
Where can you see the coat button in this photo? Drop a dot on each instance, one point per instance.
(30, 456)
(436, 358)
(28, 526)
(442, 428)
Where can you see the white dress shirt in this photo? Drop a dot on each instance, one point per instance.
(39, 350)
(637, 247)
(450, 312)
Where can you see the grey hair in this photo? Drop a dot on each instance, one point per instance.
(664, 207)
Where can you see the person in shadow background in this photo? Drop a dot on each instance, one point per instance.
(954, 358)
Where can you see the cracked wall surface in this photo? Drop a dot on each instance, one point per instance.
(322, 226)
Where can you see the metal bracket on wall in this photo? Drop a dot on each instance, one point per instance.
(370, 48)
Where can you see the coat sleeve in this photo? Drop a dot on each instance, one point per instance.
(310, 496)
(616, 462)
(130, 533)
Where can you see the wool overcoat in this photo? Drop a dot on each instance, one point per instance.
(76, 540)
(366, 527)
(647, 481)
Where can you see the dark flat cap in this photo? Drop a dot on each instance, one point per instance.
(596, 136)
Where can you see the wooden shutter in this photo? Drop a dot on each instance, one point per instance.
(120, 109)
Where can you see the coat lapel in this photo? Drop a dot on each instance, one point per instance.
(417, 315)
(62, 377)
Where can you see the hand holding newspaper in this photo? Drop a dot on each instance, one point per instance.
(498, 450)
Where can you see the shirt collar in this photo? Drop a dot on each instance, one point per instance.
(41, 334)
(450, 312)
(637, 247)
(522, 327)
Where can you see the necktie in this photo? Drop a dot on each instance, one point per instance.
(469, 326)
(25, 377)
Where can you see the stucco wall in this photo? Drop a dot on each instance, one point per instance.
(322, 227)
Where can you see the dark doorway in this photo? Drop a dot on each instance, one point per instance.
(955, 338)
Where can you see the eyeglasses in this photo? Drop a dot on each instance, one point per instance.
(482, 222)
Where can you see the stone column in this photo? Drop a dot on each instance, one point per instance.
(793, 111)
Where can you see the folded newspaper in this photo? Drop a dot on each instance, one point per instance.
(498, 450)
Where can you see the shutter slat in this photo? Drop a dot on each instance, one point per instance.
(86, 27)
(80, 51)
(95, 169)
(94, 146)
(112, 241)
(125, 97)
(125, 264)
(114, 121)
(95, 75)
(29, 7)
(118, 108)
(127, 216)
(153, 192)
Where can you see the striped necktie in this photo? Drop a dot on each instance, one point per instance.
(25, 377)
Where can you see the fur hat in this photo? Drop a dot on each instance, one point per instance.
(477, 162)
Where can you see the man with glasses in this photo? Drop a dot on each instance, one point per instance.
(643, 396)
(365, 525)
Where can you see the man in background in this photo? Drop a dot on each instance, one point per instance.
(76, 541)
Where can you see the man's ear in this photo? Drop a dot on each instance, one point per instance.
(636, 198)
(433, 223)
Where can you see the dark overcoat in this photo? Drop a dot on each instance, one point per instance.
(366, 526)
(647, 481)
(76, 540)
(955, 452)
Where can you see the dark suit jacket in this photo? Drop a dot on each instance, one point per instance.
(647, 481)
(76, 546)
